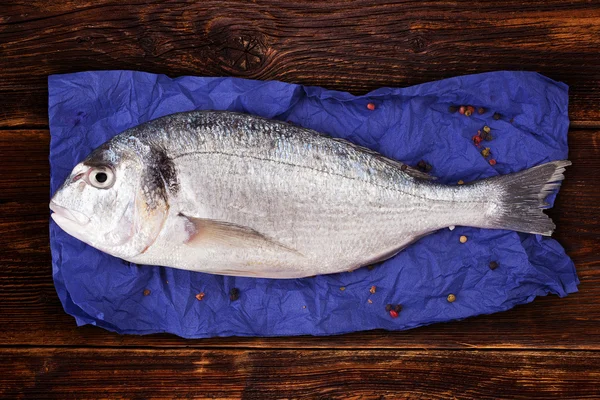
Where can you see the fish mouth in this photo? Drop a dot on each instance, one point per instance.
(62, 213)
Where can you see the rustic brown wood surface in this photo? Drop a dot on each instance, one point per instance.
(549, 348)
(324, 374)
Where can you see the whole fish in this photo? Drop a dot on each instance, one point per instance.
(234, 194)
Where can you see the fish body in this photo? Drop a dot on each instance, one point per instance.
(235, 194)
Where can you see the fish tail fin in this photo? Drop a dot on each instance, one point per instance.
(521, 196)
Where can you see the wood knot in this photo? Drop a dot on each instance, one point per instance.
(418, 44)
(236, 50)
(148, 45)
(83, 39)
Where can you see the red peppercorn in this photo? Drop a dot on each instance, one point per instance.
(480, 110)
(393, 314)
(492, 162)
(477, 139)
(371, 106)
(462, 110)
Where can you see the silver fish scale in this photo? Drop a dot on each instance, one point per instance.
(181, 134)
(335, 205)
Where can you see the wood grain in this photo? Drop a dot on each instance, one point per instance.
(30, 312)
(546, 349)
(346, 45)
(324, 374)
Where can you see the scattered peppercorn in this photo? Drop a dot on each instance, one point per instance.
(371, 267)
(371, 106)
(388, 307)
(452, 109)
(200, 296)
(373, 289)
(477, 139)
(146, 292)
(393, 314)
(462, 110)
(463, 239)
(496, 116)
(234, 294)
(398, 308)
(370, 301)
(493, 265)
(403, 167)
(423, 166)
(468, 112)
(343, 288)
(485, 152)
(461, 182)
(492, 162)
(486, 135)
(451, 298)
(480, 110)
(303, 307)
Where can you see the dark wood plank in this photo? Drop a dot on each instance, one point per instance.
(30, 313)
(346, 45)
(256, 374)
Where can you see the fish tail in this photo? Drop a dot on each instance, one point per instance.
(521, 198)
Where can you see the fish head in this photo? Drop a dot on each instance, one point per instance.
(112, 201)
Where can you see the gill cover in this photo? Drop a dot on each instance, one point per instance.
(158, 182)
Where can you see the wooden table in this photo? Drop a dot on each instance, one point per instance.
(547, 349)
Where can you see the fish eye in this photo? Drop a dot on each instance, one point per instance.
(101, 177)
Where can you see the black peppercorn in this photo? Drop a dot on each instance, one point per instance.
(423, 166)
(234, 294)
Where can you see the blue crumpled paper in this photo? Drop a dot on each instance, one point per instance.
(408, 124)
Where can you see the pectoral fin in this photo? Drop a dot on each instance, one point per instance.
(205, 232)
